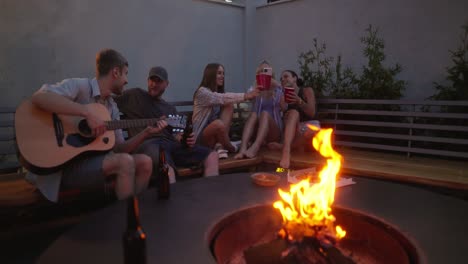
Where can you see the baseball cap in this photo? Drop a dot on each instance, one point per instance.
(159, 72)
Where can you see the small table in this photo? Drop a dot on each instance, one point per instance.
(177, 229)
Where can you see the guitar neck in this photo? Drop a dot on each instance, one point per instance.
(120, 124)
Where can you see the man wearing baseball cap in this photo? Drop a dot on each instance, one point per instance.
(137, 103)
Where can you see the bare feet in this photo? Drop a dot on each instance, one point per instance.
(284, 162)
(240, 155)
(251, 153)
(275, 146)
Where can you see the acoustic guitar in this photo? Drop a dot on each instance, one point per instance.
(47, 140)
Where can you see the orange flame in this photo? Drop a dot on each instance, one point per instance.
(306, 208)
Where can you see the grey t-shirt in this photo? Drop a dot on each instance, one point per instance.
(136, 103)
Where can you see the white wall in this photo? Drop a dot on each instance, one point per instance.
(417, 34)
(45, 41)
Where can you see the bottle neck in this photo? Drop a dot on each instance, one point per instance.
(133, 213)
(162, 156)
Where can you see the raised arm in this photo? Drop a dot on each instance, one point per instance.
(53, 102)
(206, 97)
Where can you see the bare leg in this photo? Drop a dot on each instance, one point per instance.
(226, 115)
(290, 128)
(216, 132)
(267, 129)
(227, 112)
(211, 165)
(303, 138)
(143, 169)
(247, 135)
(123, 166)
(300, 140)
(275, 145)
(172, 177)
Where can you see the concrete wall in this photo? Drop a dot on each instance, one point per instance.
(417, 34)
(45, 41)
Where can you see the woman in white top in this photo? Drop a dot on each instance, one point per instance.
(213, 108)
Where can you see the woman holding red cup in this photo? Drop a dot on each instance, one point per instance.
(301, 112)
(265, 121)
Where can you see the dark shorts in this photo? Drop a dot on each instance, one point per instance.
(176, 154)
(84, 173)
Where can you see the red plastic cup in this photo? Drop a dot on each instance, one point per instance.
(263, 81)
(288, 91)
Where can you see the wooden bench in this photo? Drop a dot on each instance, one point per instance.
(350, 138)
(373, 135)
(411, 127)
(373, 147)
(16, 191)
(8, 160)
(22, 203)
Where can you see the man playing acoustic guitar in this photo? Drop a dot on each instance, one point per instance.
(138, 103)
(74, 97)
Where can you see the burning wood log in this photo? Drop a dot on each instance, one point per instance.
(308, 251)
(309, 234)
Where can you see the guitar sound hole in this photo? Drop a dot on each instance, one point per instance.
(105, 140)
(77, 140)
(84, 128)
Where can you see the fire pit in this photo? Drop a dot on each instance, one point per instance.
(251, 234)
(227, 219)
(305, 229)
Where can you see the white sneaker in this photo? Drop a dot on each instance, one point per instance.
(218, 146)
(236, 145)
(222, 153)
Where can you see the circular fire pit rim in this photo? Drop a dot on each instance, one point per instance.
(408, 243)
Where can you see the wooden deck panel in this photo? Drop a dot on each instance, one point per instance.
(396, 167)
(225, 165)
(15, 191)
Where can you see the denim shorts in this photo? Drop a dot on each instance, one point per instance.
(176, 154)
(303, 126)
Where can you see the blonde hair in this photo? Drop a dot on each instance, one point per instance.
(267, 92)
(259, 68)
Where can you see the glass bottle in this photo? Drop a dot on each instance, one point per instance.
(134, 239)
(163, 176)
(187, 131)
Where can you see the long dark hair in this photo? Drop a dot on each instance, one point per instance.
(299, 82)
(209, 78)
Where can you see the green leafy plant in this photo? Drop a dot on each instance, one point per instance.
(345, 82)
(457, 74)
(455, 88)
(315, 68)
(378, 81)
